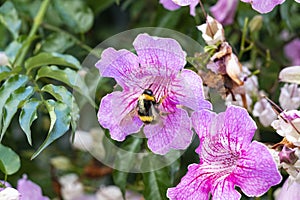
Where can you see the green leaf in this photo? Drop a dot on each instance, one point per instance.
(4, 72)
(9, 18)
(63, 95)
(12, 104)
(27, 116)
(156, 184)
(75, 14)
(125, 161)
(67, 76)
(51, 58)
(9, 160)
(12, 50)
(56, 42)
(9, 86)
(60, 122)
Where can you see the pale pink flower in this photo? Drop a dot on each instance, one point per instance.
(224, 11)
(289, 98)
(264, 111)
(288, 126)
(158, 66)
(228, 158)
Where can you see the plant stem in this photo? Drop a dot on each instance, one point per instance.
(36, 23)
(244, 33)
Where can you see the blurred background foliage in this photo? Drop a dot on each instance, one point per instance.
(74, 27)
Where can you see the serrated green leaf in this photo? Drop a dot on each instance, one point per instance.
(9, 86)
(9, 18)
(56, 42)
(63, 95)
(12, 104)
(45, 58)
(156, 184)
(27, 116)
(75, 14)
(10, 161)
(60, 122)
(67, 76)
(125, 161)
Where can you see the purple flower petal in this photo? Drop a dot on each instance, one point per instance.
(291, 50)
(227, 159)
(191, 186)
(264, 6)
(224, 11)
(238, 127)
(202, 129)
(120, 65)
(116, 113)
(172, 132)
(6, 184)
(191, 3)
(256, 174)
(29, 190)
(169, 4)
(187, 90)
(159, 56)
(225, 190)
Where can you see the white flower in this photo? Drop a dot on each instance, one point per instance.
(288, 125)
(263, 110)
(91, 141)
(250, 82)
(3, 59)
(9, 194)
(114, 193)
(83, 141)
(212, 32)
(109, 193)
(239, 101)
(289, 190)
(71, 187)
(289, 98)
(290, 74)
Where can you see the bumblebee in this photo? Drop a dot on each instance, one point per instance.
(147, 107)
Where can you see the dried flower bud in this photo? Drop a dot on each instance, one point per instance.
(212, 31)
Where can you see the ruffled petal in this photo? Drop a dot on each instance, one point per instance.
(227, 8)
(169, 4)
(237, 129)
(187, 90)
(256, 174)
(191, 187)
(159, 56)
(224, 190)
(171, 132)
(117, 113)
(202, 121)
(121, 65)
(264, 6)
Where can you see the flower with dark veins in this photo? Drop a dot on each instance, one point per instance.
(157, 66)
(228, 158)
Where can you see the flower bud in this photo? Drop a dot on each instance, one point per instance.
(256, 23)
(287, 155)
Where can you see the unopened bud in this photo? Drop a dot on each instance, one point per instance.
(256, 23)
